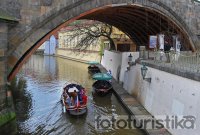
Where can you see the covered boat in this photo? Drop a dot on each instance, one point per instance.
(102, 86)
(93, 68)
(74, 99)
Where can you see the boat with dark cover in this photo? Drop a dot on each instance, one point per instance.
(93, 69)
(102, 86)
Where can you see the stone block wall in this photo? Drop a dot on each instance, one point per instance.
(3, 64)
(39, 17)
(166, 95)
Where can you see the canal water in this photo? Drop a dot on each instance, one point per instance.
(39, 110)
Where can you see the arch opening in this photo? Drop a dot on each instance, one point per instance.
(136, 21)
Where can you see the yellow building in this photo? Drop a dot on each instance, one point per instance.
(122, 42)
(67, 47)
(67, 42)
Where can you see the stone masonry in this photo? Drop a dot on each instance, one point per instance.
(37, 19)
(3, 65)
(40, 18)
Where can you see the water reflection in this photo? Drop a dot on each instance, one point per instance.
(45, 77)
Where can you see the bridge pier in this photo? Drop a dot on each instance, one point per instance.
(7, 114)
(3, 63)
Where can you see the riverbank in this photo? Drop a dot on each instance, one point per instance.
(83, 56)
(73, 59)
(8, 117)
(133, 106)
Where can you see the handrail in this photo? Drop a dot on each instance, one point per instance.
(175, 60)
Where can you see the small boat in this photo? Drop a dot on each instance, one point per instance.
(102, 86)
(74, 99)
(93, 68)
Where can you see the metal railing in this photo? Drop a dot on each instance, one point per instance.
(186, 61)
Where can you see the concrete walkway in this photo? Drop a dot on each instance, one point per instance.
(133, 106)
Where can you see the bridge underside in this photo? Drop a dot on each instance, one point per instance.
(139, 22)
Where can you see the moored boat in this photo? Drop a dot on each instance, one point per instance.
(102, 86)
(74, 99)
(93, 68)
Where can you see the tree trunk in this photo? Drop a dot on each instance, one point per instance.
(112, 44)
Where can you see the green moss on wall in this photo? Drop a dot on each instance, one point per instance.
(5, 118)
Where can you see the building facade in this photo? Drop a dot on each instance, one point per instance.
(48, 47)
(122, 42)
(67, 47)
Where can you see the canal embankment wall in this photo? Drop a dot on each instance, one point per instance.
(84, 56)
(167, 94)
(117, 62)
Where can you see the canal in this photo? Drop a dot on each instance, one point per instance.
(39, 110)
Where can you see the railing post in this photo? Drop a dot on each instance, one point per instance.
(197, 63)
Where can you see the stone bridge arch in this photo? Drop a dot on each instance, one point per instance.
(26, 37)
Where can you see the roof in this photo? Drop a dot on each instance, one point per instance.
(7, 17)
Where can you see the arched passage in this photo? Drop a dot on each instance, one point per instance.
(138, 21)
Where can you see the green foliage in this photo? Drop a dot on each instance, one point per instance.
(21, 84)
(102, 47)
(13, 84)
(22, 99)
(17, 85)
(4, 118)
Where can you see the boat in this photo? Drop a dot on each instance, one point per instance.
(93, 68)
(102, 85)
(74, 99)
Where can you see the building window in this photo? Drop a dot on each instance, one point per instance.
(123, 47)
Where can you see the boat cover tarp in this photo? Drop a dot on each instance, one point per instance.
(102, 76)
(93, 62)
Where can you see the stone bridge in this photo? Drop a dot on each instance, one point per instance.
(26, 24)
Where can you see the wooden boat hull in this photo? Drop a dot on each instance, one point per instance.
(102, 87)
(79, 109)
(73, 110)
(76, 110)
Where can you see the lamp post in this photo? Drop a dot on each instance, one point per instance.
(144, 70)
(130, 60)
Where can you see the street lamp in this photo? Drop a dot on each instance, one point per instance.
(144, 72)
(130, 60)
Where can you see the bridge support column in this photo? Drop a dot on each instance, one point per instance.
(3, 63)
(7, 114)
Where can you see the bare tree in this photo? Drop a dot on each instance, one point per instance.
(89, 33)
